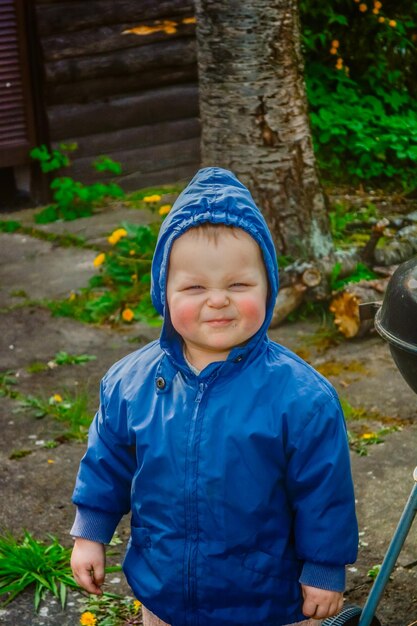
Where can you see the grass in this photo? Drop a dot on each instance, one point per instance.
(32, 562)
(71, 409)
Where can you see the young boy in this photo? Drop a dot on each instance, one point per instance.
(229, 450)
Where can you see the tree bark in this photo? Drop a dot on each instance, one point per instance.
(254, 115)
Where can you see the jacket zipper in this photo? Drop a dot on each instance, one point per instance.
(191, 527)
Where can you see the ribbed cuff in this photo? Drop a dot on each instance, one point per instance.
(329, 577)
(95, 525)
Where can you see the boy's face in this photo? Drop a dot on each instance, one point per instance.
(216, 292)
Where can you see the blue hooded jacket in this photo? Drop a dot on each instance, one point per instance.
(238, 479)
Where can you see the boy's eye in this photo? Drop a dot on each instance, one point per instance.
(194, 287)
(239, 285)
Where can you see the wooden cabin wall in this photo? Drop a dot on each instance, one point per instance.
(133, 97)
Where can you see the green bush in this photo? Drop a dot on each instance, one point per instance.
(73, 199)
(360, 66)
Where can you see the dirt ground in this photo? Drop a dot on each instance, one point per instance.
(36, 486)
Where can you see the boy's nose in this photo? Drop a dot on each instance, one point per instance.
(218, 299)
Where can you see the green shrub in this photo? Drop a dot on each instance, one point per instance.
(73, 199)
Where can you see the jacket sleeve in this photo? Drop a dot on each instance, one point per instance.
(103, 484)
(320, 488)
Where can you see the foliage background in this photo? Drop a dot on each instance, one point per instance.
(360, 73)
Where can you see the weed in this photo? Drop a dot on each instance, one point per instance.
(361, 272)
(36, 367)
(72, 199)
(64, 358)
(360, 443)
(112, 611)
(18, 293)
(70, 409)
(7, 381)
(32, 562)
(9, 226)
(374, 571)
(19, 454)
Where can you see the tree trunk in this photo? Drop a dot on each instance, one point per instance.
(254, 115)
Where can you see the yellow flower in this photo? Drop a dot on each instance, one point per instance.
(117, 235)
(72, 296)
(381, 20)
(363, 7)
(375, 11)
(57, 398)
(189, 20)
(134, 277)
(368, 436)
(128, 315)
(99, 260)
(333, 50)
(154, 198)
(136, 605)
(132, 252)
(50, 461)
(392, 23)
(335, 43)
(339, 63)
(377, 5)
(88, 619)
(165, 209)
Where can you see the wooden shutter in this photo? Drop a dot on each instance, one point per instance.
(16, 118)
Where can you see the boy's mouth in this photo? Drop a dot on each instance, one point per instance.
(222, 321)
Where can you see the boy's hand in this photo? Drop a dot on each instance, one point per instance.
(319, 603)
(87, 562)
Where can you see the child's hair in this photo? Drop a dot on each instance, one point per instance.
(213, 231)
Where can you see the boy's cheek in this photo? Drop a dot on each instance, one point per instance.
(183, 315)
(252, 310)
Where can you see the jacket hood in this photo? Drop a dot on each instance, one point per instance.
(214, 195)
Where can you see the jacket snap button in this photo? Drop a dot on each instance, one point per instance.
(160, 382)
(238, 359)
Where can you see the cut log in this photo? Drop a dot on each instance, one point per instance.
(170, 53)
(345, 306)
(157, 105)
(53, 17)
(107, 39)
(107, 87)
(288, 300)
(400, 248)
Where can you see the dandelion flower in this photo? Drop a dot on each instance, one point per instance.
(154, 198)
(381, 19)
(377, 4)
(335, 43)
(375, 11)
(128, 315)
(99, 260)
(50, 461)
(136, 605)
(189, 20)
(333, 50)
(339, 63)
(363, 7)
(117, 235)
(57, 398)
(368, 436)
(88, 619)
(165, 209)
(392, 23)
(132, 252)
